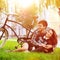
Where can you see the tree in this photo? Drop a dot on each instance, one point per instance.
(2, 5)
(28, 16)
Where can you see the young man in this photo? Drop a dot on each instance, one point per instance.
(44, 39)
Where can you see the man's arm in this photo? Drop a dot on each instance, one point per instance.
(41, 44)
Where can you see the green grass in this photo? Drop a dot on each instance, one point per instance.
(26, 55)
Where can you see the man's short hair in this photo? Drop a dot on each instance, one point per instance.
(44, 22)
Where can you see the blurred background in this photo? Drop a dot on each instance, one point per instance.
(27, 12)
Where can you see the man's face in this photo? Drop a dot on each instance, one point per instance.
(40, 26)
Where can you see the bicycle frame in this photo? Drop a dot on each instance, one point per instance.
(7, 20)
(4, 29)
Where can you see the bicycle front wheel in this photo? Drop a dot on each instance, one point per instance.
(3, 36)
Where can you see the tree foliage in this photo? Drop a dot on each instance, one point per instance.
(2, 4)
(27, 16)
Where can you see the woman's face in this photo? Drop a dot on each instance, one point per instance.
(49, 33)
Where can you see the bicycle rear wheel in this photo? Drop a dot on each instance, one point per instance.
(3, 36)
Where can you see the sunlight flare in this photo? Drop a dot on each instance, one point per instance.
(25, 3)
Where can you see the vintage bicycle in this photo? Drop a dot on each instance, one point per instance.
(4, 34)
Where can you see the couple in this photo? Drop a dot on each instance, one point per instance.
(44, 39)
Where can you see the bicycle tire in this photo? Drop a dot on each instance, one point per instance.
(3, 37)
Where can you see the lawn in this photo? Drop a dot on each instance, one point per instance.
(4, 55)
